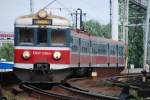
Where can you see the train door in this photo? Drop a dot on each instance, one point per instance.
(90, 53)
(112, 56)
(75, 52)
(108, 54)
(117, 55)
(79, 52)
(94, 54)
(92, 60)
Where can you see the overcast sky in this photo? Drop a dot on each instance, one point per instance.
(11, 9)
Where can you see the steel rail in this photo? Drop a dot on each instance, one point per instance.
(74, 93)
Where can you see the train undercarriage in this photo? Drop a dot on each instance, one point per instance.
(45, 74)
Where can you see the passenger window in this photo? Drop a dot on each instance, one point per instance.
(113, 50)
(102, 49)
(94, 48)
(26, 36)
(42, 37)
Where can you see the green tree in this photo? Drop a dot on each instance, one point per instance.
(106, 30)
(135, 44)
(97, 29)
(6, 52)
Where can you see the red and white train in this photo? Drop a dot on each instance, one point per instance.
(47, 48)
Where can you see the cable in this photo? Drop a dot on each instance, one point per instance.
(91, 6)
(67, 9)
(49, 4)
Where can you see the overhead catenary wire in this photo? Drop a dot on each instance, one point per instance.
(93, 7)
(67, 9)
(70, 10)
(64, 7)
(49, 4)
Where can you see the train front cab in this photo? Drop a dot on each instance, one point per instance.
(40, 50)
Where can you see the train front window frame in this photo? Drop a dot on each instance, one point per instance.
(37, 36)
(42, 34)
(26, 36)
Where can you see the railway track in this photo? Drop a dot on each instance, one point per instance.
(58, 91)
(134, 81)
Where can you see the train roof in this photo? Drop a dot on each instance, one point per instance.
(49, 20)
(87, 36)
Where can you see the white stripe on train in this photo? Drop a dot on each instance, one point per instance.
(63, 66)
(30, 66)
(42, 48)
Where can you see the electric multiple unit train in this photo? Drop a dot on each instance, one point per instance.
(46, 46)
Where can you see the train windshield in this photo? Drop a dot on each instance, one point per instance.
(58, 37)
(42, 37)
(26, 36)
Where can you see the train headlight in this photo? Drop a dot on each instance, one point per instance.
(42, 14)
(57, 55)
(26, 55)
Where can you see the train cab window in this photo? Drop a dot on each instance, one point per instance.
(58, 37)
(42, 37)
(26, 36)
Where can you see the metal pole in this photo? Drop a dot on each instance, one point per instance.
(146, 34)
(127, 20)
(115, 18)
(31, 7)
(126, 32)
(110, 15)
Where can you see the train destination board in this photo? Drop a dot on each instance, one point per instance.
(42, 21)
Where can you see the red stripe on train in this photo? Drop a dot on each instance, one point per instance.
(42, 56)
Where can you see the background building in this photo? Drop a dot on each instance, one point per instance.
(6, 37)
